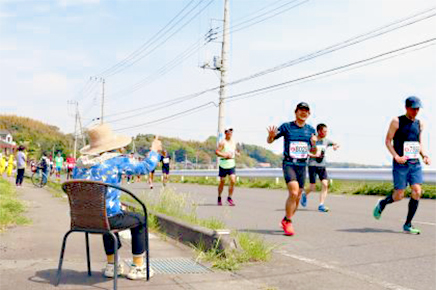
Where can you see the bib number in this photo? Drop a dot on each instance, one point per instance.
(411, 149)
(298, 150)
(166, 160)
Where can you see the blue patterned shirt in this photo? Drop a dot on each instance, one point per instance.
(109, 168)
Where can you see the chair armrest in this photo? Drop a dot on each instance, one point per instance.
(144, 208)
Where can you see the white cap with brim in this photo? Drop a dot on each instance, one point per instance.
(103, 139)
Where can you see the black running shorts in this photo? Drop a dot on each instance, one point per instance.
(317, 170)
(292, 172)
(224, 172)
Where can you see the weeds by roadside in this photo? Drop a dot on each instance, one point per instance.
(336, 187)
(11, 208)
(252, 248)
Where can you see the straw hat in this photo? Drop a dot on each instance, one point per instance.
(103, 139)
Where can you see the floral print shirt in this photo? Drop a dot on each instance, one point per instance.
(109, 168)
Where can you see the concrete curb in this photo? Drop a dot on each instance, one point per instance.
(193, 234)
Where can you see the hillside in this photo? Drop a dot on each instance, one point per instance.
(38, 137)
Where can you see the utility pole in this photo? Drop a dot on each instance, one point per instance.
(223, 69)
(102, 100)
(81, 128)
(76, 120)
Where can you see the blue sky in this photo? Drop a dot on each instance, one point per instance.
(50, 49)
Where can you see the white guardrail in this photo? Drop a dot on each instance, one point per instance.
(379, 174)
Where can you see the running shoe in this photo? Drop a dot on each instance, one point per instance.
(219, 201)
(303, 199)
(409, 229)
(323, 208)
(288, 228)
(230, 201)
(139, 273)
(377, 210)
(109, 271)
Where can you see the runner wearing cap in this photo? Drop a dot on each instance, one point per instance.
(405, 132)
(317, 166)
(227, 166)
(299, 140)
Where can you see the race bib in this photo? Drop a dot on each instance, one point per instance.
(411, 149)
(166, 160)
(298, 150)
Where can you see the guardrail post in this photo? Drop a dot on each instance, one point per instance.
(182, 179)
(237, 179)
(277, 180)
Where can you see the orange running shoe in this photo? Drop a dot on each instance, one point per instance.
(288, 228)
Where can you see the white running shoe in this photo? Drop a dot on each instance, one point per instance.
(109, 271)
(139, 273)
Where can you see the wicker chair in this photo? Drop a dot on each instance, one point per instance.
(88, 214)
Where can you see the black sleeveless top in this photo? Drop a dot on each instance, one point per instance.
(408, 130)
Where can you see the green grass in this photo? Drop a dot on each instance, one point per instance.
(337, 187)
(178, 205)
(11, 208)
(253, 248)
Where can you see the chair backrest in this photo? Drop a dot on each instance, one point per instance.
(87, 205)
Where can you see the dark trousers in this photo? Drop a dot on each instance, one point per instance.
(20, 176)
(127, 220)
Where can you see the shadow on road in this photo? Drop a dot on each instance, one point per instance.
(207, 204)
(263, 232)
(368, 230)
(69, 277)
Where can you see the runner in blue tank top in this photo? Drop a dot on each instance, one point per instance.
(405, 132)
(299, 139)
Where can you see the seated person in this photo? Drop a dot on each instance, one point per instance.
(102, 160)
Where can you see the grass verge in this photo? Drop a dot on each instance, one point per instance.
(336, 187)
(11, 208)
(252, 247)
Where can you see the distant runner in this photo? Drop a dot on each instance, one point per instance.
(317, 166)
(59, 161)
(299, 141)
(71, 163)
(227, 166)
(165, 159)
(405, 131)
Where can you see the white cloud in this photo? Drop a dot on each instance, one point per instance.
(66, 3)
(49, 84)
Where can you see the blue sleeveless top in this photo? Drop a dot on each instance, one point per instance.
(408, 130)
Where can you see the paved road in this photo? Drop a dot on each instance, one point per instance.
(343, 249)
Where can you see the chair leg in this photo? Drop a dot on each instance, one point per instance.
(88, 255)
(61, 258)
(115, 259)
(147, 261)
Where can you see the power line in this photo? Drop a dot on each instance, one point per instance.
(340, 69)
(179, 114)
(139, 58)
(333, 69)
(347, 43)
(144, 45)
(189, 52)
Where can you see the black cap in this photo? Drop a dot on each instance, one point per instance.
(303, 105)
(413, 102)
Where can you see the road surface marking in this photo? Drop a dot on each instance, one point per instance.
(362, 277)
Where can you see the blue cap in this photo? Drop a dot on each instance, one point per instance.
(413, 102)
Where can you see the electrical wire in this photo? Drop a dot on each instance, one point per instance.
(341, 45)
(139, 58)
(340, 69)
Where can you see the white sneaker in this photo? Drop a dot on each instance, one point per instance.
(109, 271)
(139, 273)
